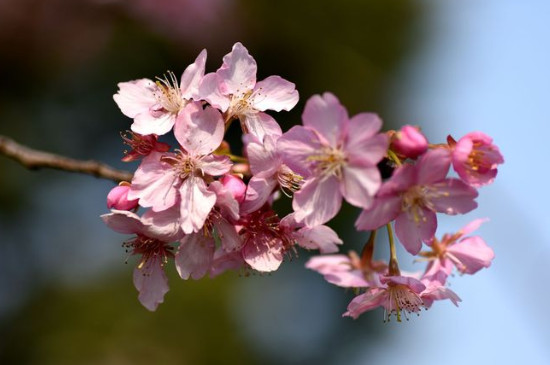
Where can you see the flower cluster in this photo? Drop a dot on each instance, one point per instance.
(210, 210)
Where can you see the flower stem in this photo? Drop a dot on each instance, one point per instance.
(393, 266)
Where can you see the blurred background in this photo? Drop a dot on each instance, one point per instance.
(66, 296)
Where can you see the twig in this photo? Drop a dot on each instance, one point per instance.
(34, 159)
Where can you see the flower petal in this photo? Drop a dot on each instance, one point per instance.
(320, 238)
(360, 184)
(412, 231)
(199, 131)
(192, 76)
(318, 201)
(151, 282)
(196, 203)
(383, 211)
(135, 97)
(194, 256)
(274, 93)
(327, 117)
(261, 125)
(238, 71)
(295, 148)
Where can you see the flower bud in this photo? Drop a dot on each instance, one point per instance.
(235, 185)
(409, 142)
(118, 198)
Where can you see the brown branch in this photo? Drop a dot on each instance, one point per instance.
(34, 159)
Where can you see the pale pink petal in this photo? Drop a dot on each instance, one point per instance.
(146, 123)
(199, 131)
(154, 183)
(164, 225)
(258, 192)
(225, 201)
(295, 148)
(209, 90)
(224, 261)
(327, 264)
(238, 71)
(347, 279)
(320, 238)
(192, 76)
(412, 232)
(414, 284)
(472, 226)
(318, 201)
(123, 221)
(373, 298)
(194, 256)
(230, 239)
(453, 196)
(135, 97)
(383, 211)
(263, 157)
(152, 283)
(274, 93)
(473, 253)
(263, 254)
(369, 153)
(215, 165)
(261, 124)
(433, 166)
(439, 264)
(196, 204)
(326, 116)
(362, 127)
(360, 184)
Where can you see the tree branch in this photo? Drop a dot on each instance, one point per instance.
(34, 159)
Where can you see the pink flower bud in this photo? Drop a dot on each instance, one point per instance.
(118, 198)
(235, 185)
(409, 142)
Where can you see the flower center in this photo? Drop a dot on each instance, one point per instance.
(329, 162)
(169, 95)
(241, 104)
(149, 249)
(402, 298)
(183, 164)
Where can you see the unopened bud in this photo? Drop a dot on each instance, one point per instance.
(235, 185)
(118, 198)
(409, 142)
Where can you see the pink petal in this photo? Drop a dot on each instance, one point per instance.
(360, 184)
(258, 192)
(453, 196)
(215, 165)
(362, 127)
(230, 239)
(123, 221)
(473, 253)
(261, 125)
(412, 232)
(383, 211)
(263, 157)
(433, 166)
(209, 90)
(135, 97)
(196, 204)
(320, 238)
(154, 183)
(327, 264)
(295, 148)
(472, 226)
(263, 254)
(318, 201)
(274, 93)
(238, 71)
(192, 76)
(373, 298)
(369, 152)
(347, 279)
(414, 284)
(146, 123)
(152, 283)
(199, 131)
(194, 256)
(326, 116)
(164, 225)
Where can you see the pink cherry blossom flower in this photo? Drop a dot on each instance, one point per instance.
(163, 179)
(320, 237)
(413, 195)
(152, 245)
(233, 89)
(467, 254)
(409, 142)
(336, 155)
(142, 146)
(118, 198)
(396, 294)
(269, 172)
(154, 106)
(475, 158)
